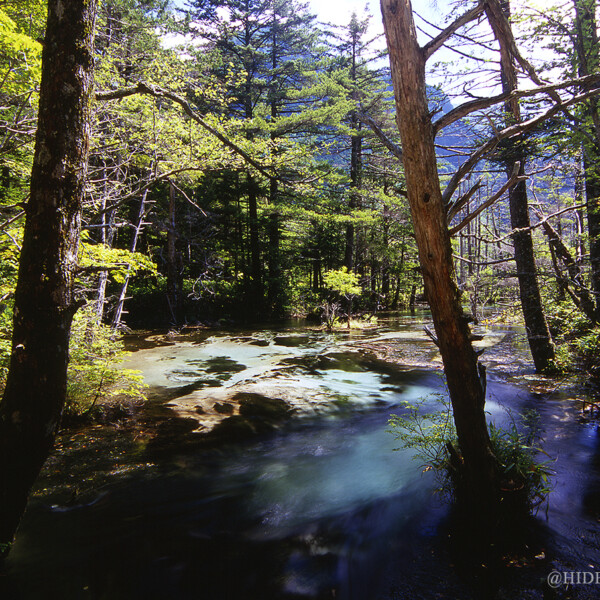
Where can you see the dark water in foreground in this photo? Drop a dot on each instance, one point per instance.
(323, 508)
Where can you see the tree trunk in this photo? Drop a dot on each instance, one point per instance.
(580, 294)
(120, 307)
(588, 59)
(538, 334)
(174, 282)
(463, 374)
(255, 292)
(275, 290)
(34, 397)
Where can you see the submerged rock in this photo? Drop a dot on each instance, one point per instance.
(253, 405)
(223, 408)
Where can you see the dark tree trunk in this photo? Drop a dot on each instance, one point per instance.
(34, 397)
(275, 289)
(174, 275)
(579, 294)
(350, 258)
(463, 375)
(538, 334)
(588, 59)
(255, 292)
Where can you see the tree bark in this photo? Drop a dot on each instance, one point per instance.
(275, 290)
(255, 290)
(34, 396)
(588, 60)
(538, 334)
(174, 275)
(463, 373)
(120, 306)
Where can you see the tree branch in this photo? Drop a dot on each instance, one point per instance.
(506, 133)
(437, 42)
(513, 179)
(383, 138)
(481, 103)
(157, 92)
(454, 208)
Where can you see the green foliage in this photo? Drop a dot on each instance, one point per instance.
(96, 381)
(343, 282)
(516, 449)
(577, 339)
(426, 434)
(117, 261)
(516, 452)
(97, 384)
(20, 57)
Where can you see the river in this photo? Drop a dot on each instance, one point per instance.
(318, 505)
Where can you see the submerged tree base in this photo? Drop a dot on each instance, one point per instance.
(522, 480)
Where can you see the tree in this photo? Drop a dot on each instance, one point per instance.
(431, 210)
(463, 373)
(344, 283)
(588, 62)
(514, 159)
(45, 303)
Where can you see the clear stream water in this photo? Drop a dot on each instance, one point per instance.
(322, 508)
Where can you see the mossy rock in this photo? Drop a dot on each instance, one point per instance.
(258, 407)
(223, 408)
(233, 428)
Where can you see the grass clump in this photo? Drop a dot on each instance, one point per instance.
(525, 481)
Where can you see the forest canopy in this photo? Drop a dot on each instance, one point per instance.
(241, 150)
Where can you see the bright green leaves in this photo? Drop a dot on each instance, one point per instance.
(20, 58)
(20, 72)
(96, 378)
(116, 261)
(343, 282)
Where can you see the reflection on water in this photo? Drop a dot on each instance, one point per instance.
(324, 508)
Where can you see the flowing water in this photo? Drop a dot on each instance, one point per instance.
(323, 507)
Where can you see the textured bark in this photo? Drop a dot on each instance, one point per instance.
(276, 296)
(174, 267)
(463, 374)
(34, 397)
(588, 61)
(120, 307)
(579, 294)
(538, 334)
(255, 300)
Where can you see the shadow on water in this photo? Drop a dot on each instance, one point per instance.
(320, 508)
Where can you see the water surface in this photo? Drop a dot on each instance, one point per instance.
(322, 508)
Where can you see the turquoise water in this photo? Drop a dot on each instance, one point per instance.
(322, 508)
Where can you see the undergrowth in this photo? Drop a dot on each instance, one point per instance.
(517, 449)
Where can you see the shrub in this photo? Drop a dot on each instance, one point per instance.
(96, 381)
(516, 449)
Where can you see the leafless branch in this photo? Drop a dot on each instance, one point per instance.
(512, 180)
(482, 103)
(437, 42)
(506, 133)
(385, 140)
(453, 209)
